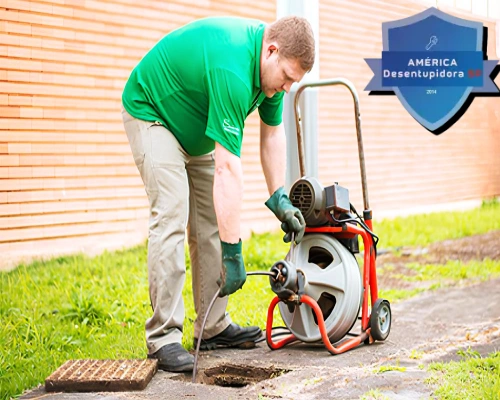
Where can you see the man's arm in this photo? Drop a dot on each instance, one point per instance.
(228, 193)
(273, 155)
(273, 159)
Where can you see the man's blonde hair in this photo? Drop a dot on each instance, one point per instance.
(295, 38)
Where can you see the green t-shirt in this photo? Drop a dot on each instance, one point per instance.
(201, 81)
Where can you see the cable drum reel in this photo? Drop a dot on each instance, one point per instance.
(320, 266)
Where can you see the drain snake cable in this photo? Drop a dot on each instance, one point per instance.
(195, 365)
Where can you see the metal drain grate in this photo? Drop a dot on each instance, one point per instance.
(101, 375)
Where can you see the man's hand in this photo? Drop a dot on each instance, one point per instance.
(292, 220)
(233, 274)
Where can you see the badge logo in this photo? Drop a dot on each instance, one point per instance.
(436, 64)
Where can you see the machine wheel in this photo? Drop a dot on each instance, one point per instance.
(380, 319)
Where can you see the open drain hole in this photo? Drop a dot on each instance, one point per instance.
(239, 375)
(231, 375)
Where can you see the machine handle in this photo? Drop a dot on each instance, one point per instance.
(300, 142)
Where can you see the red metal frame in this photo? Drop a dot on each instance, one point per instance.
(346, 345)
(369, 285)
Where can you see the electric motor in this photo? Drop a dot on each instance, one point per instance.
(316, 202)
(307, 194)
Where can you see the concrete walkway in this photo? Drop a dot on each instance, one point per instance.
(435, 324)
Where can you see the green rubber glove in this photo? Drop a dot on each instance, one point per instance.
(233, 274)
(292, 220)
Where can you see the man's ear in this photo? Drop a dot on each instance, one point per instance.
(271, 48)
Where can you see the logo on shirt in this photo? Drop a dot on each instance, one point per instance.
(228, 127)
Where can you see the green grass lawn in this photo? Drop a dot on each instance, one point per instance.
(423, 229)
(474, 377)
(441, 275)
(81, 307)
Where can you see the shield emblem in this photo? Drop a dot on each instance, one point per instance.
(434, 31)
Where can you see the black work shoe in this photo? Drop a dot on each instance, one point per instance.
(233, 336)
(174, 358)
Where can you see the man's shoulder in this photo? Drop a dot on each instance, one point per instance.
(217, 31)
(228, 22)
(233, 80)
(233, 50)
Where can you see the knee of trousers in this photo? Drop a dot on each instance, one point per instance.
(172, 218)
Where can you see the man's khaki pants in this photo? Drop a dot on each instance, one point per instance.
(172, 180)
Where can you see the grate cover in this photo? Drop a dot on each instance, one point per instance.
(101, 375)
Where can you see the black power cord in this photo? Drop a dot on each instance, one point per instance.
(359, 221)
(363, 224)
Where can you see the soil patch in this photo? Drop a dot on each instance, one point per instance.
(391, 266)
(476, 247)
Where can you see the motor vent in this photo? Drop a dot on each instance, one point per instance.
(302, 197)
(308, 195)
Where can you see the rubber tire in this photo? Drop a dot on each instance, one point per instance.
(376, 330)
